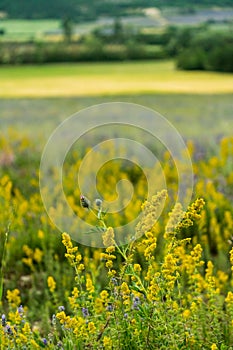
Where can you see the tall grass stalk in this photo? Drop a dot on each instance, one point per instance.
(3, 260)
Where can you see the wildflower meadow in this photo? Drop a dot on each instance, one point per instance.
(169, 287)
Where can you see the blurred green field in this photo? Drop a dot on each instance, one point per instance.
(22, 30)
(202, 118)
(98, 79)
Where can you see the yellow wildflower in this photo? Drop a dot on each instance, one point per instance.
(14, 317)
(22, 339)
(51, 284)
(81, 267)
(150, 212)
(110, 249)
(231, 257)
(34, 345)
(89, 285)
(137, 267)
(98, 305)
(66, 241)
(40, 234)
(91, 327)
(109, 264)
(108, 237)
(186, 314)
(13, 297)
(229, 297)
(175, 216)
(104, 295)
(38, 255)
(107, 343)
(26, 330)
(214, 347)
(61, 316)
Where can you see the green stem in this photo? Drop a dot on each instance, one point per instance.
(3, 262)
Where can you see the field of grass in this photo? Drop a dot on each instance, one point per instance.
(109, 79)
(170, 289)
(202, 118)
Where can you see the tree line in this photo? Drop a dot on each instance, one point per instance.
(83, 10)
(193, 48)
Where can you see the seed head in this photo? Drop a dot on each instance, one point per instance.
(85, 203)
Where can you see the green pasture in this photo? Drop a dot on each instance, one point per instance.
(23, 29)
(104, 79)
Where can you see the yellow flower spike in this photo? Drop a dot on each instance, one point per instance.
(175, 306)
(22, 339)
(196, 253)
(14, 317)
(231, 256)
(229, 298)
(111, 273)
(38, 254)
(214, 347)
(51, 284)
(91, 327)
(125, 288)
(66, 240)
(89, 285)
(110, 249)
(107, 342)
(104, 295)
(40, 234)
(78, 258)
(150, 211)
(34, 345)
(137, 267)
(26, 330)
(13, 297)
(175, 216)
(81, 267)
(108, 237)
(61, 316)
(209, 269)
(109, 264)
(99, 305)
(186, 314)
(28, 251)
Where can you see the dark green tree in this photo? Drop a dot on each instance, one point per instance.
(67, 27)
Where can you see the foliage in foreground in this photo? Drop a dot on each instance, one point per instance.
(177, 304)
(171, 289)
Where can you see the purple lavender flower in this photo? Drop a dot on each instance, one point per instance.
(9, 330)
(45, 341)
(3, 320)
(61, 308)
(109, 308)
(114, 281)
(136, 302)
(85, 312)
(21, 310)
